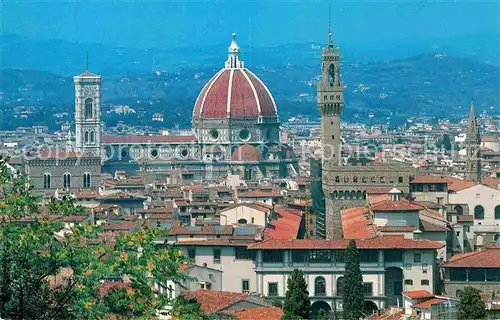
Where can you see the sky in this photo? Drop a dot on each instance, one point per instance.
(172, 24)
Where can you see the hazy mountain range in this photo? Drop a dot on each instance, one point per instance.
(385, 82)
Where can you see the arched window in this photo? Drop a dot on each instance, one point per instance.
(86, 180)
(335, 194)
(341, 194)
(497, 212)
(364, 194)
(479, 212)
(353, 194)
(382, 179)
(458, 293)
(337, 179)
(355, 179)
(331, 74)
(401, 180)
(340, 286)
(92, 137)
(86, 137)
(364, 180)
(88, 109)
(459, 210)
(347, 194)
(319, 286)
(242, 221)
(497, 238)
(46, 180)
(67, 180)
(346, 179)
(170, 291)
(358, 195)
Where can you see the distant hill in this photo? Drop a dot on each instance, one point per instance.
(429, 84)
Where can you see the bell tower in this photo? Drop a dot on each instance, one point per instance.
(473, 144)
(88, 113)
(330, 99)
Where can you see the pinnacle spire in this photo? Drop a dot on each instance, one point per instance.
(472, 128)
(330, 41)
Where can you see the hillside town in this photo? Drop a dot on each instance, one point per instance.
(249, 198)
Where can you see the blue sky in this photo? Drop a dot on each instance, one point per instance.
(169, 24)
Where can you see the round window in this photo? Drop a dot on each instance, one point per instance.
(124, 154)
(214, 134)
(245, 135)
(184, 153)
(154, 153)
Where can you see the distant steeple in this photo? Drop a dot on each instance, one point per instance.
(473, 148)
(472, 128)
(233, 60)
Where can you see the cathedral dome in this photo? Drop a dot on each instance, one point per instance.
(234, 92)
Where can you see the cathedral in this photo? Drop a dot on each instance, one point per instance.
(235, 130)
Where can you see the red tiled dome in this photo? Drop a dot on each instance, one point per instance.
(234, 93)
(246, 153)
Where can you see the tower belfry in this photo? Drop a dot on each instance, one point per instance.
(88, 112)
(330, 99)
(473, 144)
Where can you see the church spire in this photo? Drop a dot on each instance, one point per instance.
(473, 148)
(233, 60)
(472, 129)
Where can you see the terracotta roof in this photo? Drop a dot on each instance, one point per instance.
(356, 223)
(122, 226)
(455, 184)
(212, 301)
(418, 294)
(428, 303)
(286, 226)
(491, 182)
(214, 242)
(234, 93)
(259, 194)
(397, 228)
(488, 257)
(380, 242)
(147, 139)
(377, 190)
(465, 218)
(205, 230)
(428, 179)
(430, 227)
(73, 218)
(267, 313)
(246, 153)
(399, 205)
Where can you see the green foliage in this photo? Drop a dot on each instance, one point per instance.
(471, 306)
(353, 299)
(323, 315)
(297, 304)
(67, 206)
(33, 252)
(446, 142)
(276, 302)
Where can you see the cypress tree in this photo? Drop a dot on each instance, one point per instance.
(471, 306)
(352, 295)
(297, 304)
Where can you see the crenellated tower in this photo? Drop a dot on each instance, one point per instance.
(330, 98)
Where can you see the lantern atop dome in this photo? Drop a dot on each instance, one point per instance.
(233, 60)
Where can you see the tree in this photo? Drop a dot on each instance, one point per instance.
(38, 249)
(297, 304)
(353, 299)
(471, 306)
(447, 142)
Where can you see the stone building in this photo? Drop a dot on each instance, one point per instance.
(344, 186)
